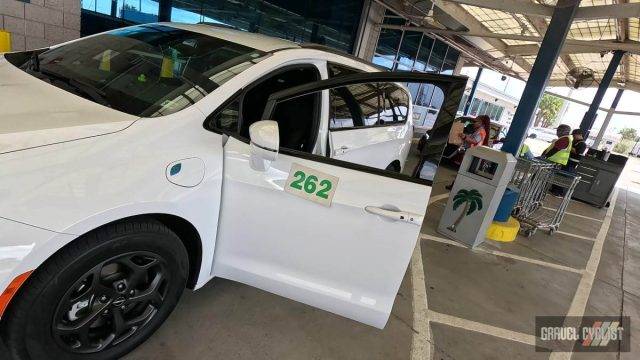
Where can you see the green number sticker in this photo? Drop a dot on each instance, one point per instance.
(326, 187)
(297, 184)
(311, 184)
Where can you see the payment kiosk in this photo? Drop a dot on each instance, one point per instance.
(476, 194)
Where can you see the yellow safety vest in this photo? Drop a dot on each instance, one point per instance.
(562, 156)
(523, 150)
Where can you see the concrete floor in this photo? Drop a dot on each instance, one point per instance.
(480, 304)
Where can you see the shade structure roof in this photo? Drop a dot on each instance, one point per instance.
(510, 32)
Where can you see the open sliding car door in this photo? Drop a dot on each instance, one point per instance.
(325, 232)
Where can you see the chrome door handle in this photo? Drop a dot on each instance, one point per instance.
(396, 215)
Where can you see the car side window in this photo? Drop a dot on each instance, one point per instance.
(339, 114)
(395, 104)
(336, 70)
(368, 104)
(236, 115)
(368, 97)
(227, 118)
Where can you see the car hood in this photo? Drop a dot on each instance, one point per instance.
(34, 113)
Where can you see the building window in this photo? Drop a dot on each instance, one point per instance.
(424, 53)
(475, 104)
(331, 22)
(437, 57)
(136, 11)
(482, 107)
(463, 103)
(387, 48)
(408, 50)
(450, 61)
(392, 18)
(99, 6)
(189, 12)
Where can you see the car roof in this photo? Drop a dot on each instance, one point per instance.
(252, 40)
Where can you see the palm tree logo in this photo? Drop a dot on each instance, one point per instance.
(472, 200)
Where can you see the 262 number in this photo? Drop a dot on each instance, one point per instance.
(309, 184)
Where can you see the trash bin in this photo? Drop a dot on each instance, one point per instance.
(477, 191)
(508, 202)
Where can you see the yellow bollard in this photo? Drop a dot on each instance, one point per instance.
(5, 41)
(503, 231)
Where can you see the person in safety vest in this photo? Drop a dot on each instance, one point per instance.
(525, 152)
(578, 149)
(560, 150)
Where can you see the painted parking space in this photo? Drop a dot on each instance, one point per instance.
(558, 249)
(227, 320)
(469, 305)
(493, 290)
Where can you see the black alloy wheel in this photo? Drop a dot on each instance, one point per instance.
(100, 296)
(109, 303)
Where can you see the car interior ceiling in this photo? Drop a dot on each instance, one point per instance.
(297, 118)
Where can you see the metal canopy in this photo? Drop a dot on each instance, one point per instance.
(511, 32)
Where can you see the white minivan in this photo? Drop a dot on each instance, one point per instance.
(141, 161)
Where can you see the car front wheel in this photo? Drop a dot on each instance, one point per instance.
(99, 297)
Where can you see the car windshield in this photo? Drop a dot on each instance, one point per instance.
(146, 70)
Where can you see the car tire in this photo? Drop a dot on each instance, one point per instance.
(121, 282)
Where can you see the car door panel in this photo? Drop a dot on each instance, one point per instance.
(372, 146)
(340, 258)
(349, 257)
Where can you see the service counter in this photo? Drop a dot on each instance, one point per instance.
(598, 177)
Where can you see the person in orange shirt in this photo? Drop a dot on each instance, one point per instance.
(481, 126)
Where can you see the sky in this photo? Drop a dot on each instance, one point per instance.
(629, 102)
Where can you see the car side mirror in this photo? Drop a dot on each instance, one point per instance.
(265, 142)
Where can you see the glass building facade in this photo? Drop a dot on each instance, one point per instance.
(412, 50)
(403, 50)
(329, 22)
(482, 107)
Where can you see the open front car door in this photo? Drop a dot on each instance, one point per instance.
(329, 233)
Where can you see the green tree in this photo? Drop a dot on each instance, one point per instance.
(623, 147)
(472, 200)
(548, 110)
(630, 134)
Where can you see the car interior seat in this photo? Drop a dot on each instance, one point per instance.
(297, 118)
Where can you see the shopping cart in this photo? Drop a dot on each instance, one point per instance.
(546, 217)
(530, 178)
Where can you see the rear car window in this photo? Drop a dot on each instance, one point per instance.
(364, 105)
(146, 70)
